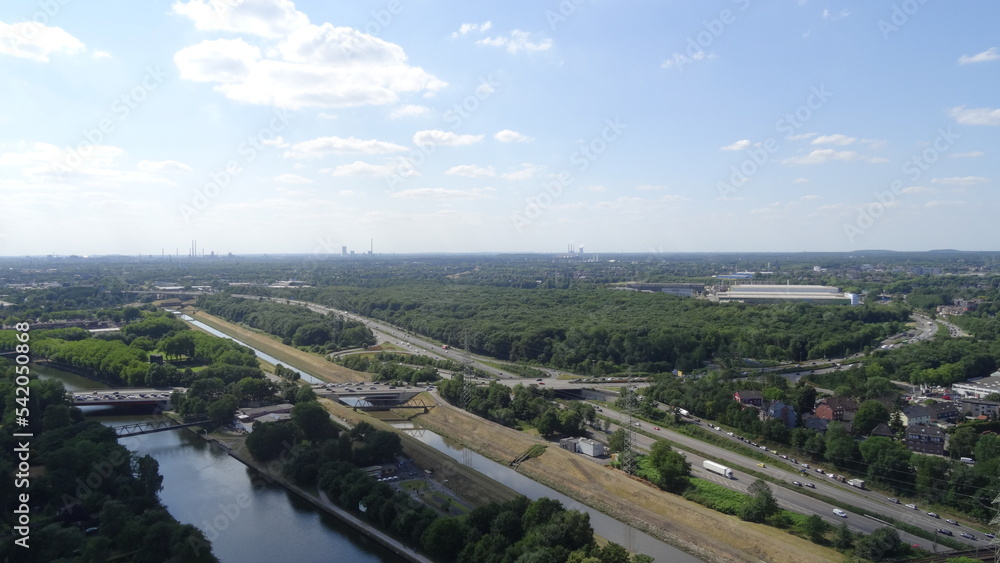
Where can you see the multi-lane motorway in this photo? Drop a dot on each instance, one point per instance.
(777, 468)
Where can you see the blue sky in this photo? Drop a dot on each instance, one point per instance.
(637, 126)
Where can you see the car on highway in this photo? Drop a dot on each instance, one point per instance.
(991, 536)
(933, 515)
(950, 521)
(967, 535)
(806, 465)
(911, 506)
(945, 532)
(840, 513)
(761, 465)
(656, 428)
(810, 485)
(796, 483)
(541, 383)
(893, 500)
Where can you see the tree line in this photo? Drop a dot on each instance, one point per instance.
(294, 324)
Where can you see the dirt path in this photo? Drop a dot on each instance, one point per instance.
(707, 534)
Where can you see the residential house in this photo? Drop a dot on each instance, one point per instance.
(882, 430)
(780, 411)
(943, 411)
(913, 415)
(815, 423)
(925, 439)
(835, 407)
(974, 407)
(749, 397)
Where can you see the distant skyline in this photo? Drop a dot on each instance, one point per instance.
(272, 126)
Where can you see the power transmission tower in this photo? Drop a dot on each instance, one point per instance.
(628, 449)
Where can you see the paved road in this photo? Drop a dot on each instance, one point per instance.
(777, 468)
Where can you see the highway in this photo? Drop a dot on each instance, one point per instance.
(777, 468)
(788, 498)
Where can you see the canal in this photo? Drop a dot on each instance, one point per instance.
(246, 518)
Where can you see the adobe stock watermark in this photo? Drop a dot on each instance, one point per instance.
(759, 155)
(899, 17)
(222, 177)
(695, 48)
(47, 11)
(562, 13)
(229, 512)
(913, 169)
(581, 159)
(121, 108)
(459, 112)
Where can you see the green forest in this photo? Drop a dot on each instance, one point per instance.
(95, 501)
(294, 324)
(596, 330)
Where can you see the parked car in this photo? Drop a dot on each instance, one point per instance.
(840, 513)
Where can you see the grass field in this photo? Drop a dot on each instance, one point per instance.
(697, 529)
(312, 364)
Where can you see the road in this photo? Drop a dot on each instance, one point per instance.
(777, 468)
(789, 498)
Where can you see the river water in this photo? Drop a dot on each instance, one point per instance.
(246, 519)
(249, 520)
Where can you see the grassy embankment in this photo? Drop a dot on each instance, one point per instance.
(312, 364)
(683, 523)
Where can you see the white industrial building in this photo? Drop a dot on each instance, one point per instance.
(584, 446)
(978, 388)
(756, 293)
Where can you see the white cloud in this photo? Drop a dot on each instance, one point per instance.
(324, 146)
(919, 190)
(679, 59)
(446, 138)
(516, 42)
(467, 28)
(30, 40)
(596, 188)
(101, 55)
(820, 156)
(163, 166)
(973, 154)
(90, 166)
(836, 139)
(325, 115)
(650, 187)
(962, 181)
(988, 55)
(737, 146)
(443, 193)
(802, 136)
(810, 197)
(307, 66)
(936, 203)
(508, 136)
(801, 180)
(472, 171)
(975, 116)
(292, 179)
(526, 172)
(361, 168)
(266, 18)
(408, 111)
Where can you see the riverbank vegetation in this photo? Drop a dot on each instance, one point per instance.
(90, 499)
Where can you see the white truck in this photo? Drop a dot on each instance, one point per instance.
(717, 468)
(856, 483)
